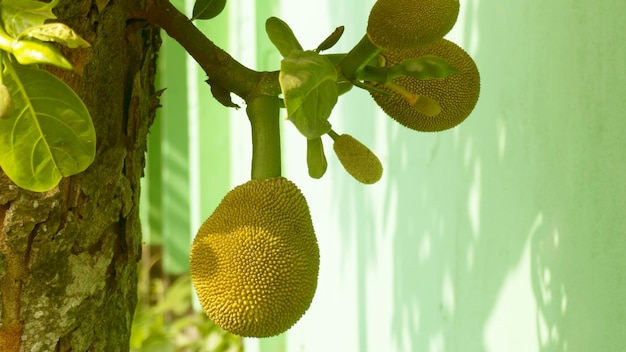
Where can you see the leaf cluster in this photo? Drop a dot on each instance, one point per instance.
(46, 131)
(166, 321)
(311, 83)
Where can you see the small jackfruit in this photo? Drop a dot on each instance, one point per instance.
(456, 94)
(357, 159)
(254, 262)
(406, 24)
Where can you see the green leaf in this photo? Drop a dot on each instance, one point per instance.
(29, 52)
(48, 134)
(424, 67)
(207, 9)
(55, 32)
(309, 85)
(18, 15)
(281, 36)
(315, 158)
(331, 40)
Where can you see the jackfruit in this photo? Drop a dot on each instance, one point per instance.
(406, 24)
(357, 159)
(254, 262)
(456, 94)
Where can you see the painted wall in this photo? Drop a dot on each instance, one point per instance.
(505, 234)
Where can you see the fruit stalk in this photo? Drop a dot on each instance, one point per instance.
(263, 112)
(358, 57)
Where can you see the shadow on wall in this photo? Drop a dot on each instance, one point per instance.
(530, 185)
(559, 102)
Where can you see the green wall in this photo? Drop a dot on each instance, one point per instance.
(507, 233)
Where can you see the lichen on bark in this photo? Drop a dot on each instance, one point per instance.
(68, 257)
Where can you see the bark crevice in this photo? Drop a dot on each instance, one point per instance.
(68, 257)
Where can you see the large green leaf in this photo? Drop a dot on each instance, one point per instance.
(281, 36)
(331, 40)
(309, 85)
(48, 132)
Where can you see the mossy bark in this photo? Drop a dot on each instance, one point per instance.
(68, 257)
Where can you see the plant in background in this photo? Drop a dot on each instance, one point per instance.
(166, 321)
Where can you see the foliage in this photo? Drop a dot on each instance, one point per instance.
(309, 84)
(46, 131)
(166, 321)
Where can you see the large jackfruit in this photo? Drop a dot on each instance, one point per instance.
(255, 260)
(457, 94)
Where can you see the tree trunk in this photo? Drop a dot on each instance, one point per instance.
(68, 257)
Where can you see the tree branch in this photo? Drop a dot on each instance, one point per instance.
(263, 113)
(222, 69)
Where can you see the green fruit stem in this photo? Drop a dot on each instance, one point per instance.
(357, 58)
(264, 113)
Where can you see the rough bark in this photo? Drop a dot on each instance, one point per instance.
(68, 257)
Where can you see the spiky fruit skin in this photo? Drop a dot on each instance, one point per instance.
(255, 261)
(357, 159)
(407, 24)
(457, 94)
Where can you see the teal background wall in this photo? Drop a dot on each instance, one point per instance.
(507, 233)
(188, 161)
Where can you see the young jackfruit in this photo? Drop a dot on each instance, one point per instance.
(255, 260)
(406, 24)
(357, 159)
(456, 94)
